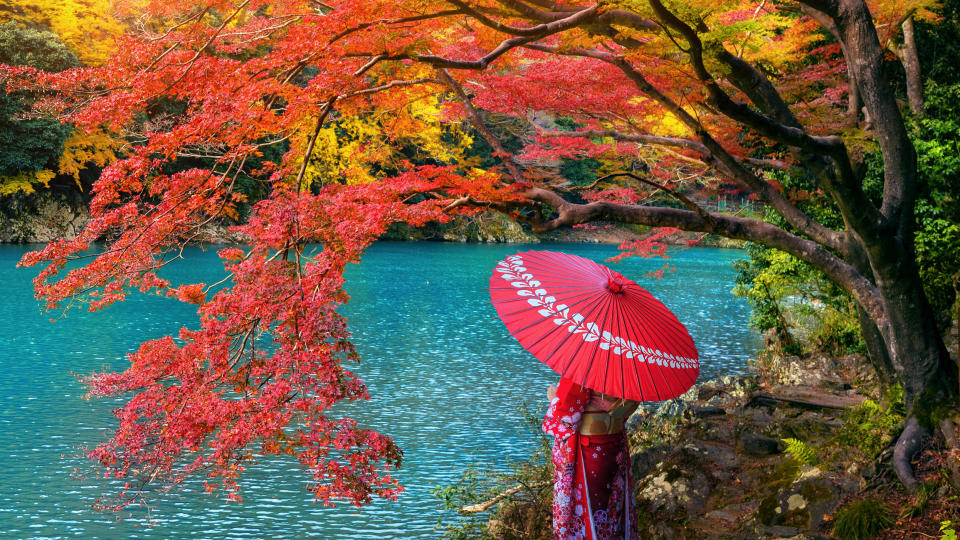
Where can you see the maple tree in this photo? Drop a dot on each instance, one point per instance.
(679, 91)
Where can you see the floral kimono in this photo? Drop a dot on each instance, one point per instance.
(592, 483)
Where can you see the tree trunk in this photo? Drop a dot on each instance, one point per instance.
(916, 349)
(876, 348)
(919, 358)
(911, 65)
(872, 337)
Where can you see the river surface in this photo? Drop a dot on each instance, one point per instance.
(444, 375)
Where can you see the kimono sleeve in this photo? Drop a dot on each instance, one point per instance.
(566, 409)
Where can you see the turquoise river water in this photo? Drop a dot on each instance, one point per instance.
(445, 378)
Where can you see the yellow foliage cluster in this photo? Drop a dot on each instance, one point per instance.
(352, 149)
(25, 181)
(81, 150)
(85, 26)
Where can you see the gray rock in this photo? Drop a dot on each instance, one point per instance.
(718, 431)
(669, 489)
(671, 408)
(759, 445)
(758, 417)
(647, 460)
(708, 410)
(721, 455)
(779, 531)
(804, 503)
(722, 515)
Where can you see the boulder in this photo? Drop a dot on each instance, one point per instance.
(708, 410)
(802, 504)
(719, 455)
(759, 445)
(670, 489)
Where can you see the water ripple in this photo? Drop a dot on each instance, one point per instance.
(444, 375)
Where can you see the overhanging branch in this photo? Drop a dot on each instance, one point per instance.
(739, 228)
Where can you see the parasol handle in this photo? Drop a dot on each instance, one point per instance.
(615, 284)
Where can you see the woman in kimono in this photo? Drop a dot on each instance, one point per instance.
(593, 485)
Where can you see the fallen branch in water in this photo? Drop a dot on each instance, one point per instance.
(484, 506)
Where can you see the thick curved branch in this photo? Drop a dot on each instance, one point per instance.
(689, 144)
(707, 216)
(899, 158)
(793, 135)
(545, 29)
(858, 210)
(718, 158)
(853, 100)
(839, 180)
(497, 25)
(655, 140)
(532, 12)
(829, 7)
(740, 228)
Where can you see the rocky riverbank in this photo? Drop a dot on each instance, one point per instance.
(42, 217)
(799, 449)
(28, 218)
(781, 453)
(493, 227)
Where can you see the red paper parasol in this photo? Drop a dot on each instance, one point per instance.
(594, 326)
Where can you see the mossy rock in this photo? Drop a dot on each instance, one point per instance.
(804, 504)
(674, 489)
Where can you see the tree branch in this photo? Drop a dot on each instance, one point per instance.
(689, 144)
(706, 216)
(718, 157)
(853, 100)
(858, 211)
(545, 29)
(313, 139)
(856, 29)
(401, 20)
(496, 25)
(479, 124)
(740, 228)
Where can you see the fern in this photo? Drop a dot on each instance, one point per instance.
(802, 452)
(869, 426)
(862, 520)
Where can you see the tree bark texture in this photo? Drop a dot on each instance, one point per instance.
(911, 65)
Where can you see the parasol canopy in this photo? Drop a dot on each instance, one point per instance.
(594, 326)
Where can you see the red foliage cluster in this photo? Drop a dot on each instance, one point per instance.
(649, 246)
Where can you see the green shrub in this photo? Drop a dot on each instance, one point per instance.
(862, 520)
(869, 426)
(947, 530)
(838, 332)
